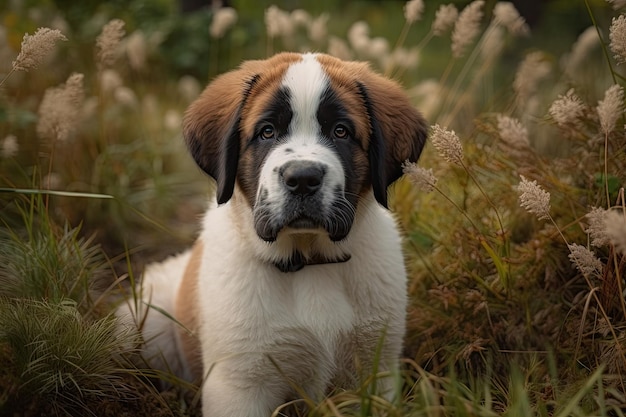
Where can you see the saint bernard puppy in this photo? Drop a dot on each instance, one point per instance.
(296, 283)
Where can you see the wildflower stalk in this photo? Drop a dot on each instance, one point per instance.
(593, 293)
(605, 51)
(533, 200)
(485, 244)
(489, 201)
(461, 77)
(614, 259)
(459, 103)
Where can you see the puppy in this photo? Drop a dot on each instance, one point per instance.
(296, 283)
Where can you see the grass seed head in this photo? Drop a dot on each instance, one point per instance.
(413, 10)
(615, 229)
(445, 17)
(505, 14)
(567, 109)
(447, 144)
(585, 260)
(108, 41)
(223, 19)
(59, 110)
(617, 35)
(35, 48)
(422, 178)
(466, 27)
(611, 108)
(512, 132)
(533, 198)
(596, 230)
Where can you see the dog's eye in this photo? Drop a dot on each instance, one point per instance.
(267, 132)
(340, 131)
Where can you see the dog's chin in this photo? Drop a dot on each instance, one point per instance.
(302, 226)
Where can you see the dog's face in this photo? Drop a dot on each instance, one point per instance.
(303, 138)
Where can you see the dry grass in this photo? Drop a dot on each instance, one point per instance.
(515, 217)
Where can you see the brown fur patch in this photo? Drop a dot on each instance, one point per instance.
(187, 311)
(343, 80)
(270, 78)
(403, 129)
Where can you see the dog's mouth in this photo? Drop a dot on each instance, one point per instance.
(268, 230)
(305, 223)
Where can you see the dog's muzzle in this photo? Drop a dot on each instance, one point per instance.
(307, 203)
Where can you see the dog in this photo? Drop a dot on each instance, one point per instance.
(296, 284)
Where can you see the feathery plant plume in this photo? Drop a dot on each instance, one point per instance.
(413, 10)
(617, 4)
(586, 42)
(505, 14)
(615, 229)
(59, 110)
(339, 48)
(278, 22)
(533, 69)
(533, 198)
(422, 178)
(512, 132)
(466, 27)
(596, 230)
(617, 36)
(359, 36)
(223, 19)
(9, 146)
(301, 17)
(567, 109)
(317, 29)
(611, 108)
(108, 41)
(136, 50)
(109, 81)
(493, 43)
(36, 48)
(445, 17)
(447, 144)
(585, 260)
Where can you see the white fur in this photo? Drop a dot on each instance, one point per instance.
(162, 343)
(249, 308)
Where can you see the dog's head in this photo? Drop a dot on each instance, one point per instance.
(303, 137)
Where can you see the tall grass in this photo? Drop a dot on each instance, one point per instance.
(514, 218)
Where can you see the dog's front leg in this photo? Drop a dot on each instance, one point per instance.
(233, 396)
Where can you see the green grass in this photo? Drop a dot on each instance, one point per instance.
(500, 322)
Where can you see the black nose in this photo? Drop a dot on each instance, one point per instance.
(302, 177)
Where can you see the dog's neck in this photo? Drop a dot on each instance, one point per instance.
(305, 249)
(297, 261)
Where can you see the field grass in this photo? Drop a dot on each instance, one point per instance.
(514, 218)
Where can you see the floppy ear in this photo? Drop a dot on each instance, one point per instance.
(398, 131)
(211, 127)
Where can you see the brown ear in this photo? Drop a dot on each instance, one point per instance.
(211, 126)
(398, 131)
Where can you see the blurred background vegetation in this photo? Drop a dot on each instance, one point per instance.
(500, 322)
(178, 57)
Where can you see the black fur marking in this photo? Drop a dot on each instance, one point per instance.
(331, 111)
(226, 174)
(377, 151)
(279, 114)
(297, 261)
